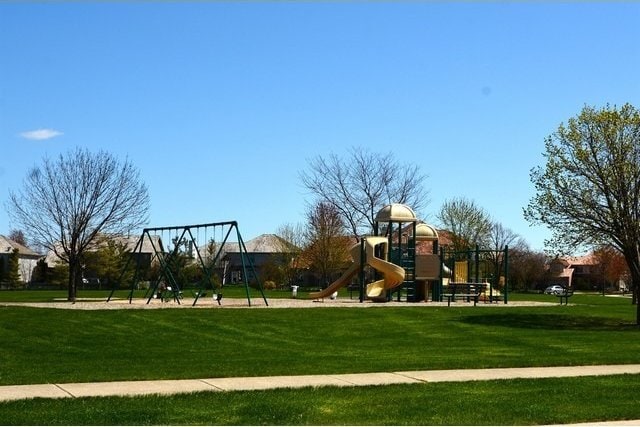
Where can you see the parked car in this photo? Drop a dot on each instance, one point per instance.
(555, 290)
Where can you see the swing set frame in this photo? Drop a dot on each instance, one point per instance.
(165, 260)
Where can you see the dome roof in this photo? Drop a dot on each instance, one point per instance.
(396, 212)
(426, 232)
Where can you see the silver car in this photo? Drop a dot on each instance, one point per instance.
(555, 290)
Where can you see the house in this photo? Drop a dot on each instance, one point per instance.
(582, 272)
(263, 253)
(27, 258)
(144, 253)
(142, 256)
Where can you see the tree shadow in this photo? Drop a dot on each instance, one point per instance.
(550, 322)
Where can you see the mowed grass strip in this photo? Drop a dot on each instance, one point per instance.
(58, 346)
(505, 402)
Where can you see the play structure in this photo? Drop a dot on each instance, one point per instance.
(406, 262)
(477, 271)
(163, 269)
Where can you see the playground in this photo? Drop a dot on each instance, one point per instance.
(401, 261)
(391, 312)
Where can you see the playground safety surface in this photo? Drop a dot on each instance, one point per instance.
(119, 304)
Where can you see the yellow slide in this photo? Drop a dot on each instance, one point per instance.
(393, 274)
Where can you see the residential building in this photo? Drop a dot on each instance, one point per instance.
(263, 253)
(582, 272)
(27, 258)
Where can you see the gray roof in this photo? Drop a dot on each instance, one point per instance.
(130, 243)
(265, 244)
(7, 246)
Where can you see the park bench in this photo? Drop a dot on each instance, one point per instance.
(565, 295)
(463, 290)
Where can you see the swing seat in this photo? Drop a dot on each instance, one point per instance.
(199, 294)
(169, 294)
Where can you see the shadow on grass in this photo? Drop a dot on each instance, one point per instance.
(550, 321)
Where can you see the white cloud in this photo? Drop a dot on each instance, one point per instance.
(40, 134)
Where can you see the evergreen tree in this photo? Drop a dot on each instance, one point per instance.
(13, 269)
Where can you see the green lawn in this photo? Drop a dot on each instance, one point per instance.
(49, 345)
(512, 402)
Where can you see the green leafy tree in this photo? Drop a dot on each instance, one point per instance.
(59, 275)
(469, 224)
(66, 202)
(588, 192)
(40, 273)
(108, 262)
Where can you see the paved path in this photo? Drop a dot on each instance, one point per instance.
(133, 388)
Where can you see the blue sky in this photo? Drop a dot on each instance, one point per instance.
(221, 105)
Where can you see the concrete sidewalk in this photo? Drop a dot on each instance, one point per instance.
(135, 388)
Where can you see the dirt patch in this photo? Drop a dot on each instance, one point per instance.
(141, 304)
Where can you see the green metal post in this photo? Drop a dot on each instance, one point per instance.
(506, 273)
(437, 285)
(361, 272)
(166, 272)
(243, 253)
(113, 287)
(477, 261)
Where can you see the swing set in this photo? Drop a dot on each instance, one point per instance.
(205, 262)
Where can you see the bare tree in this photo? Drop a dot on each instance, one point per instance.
(468, 223)
(359, 185)
(66, 202)
(527, 268)
(500, 239)
(292, 243)
(18, 237)
(588, 193)
(326, 250)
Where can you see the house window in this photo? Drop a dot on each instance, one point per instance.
(236, 276)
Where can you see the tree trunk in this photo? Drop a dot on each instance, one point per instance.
(74, 273)
(635, 281)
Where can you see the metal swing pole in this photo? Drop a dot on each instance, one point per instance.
(164, 269)
(113, 287)
(243, 254)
